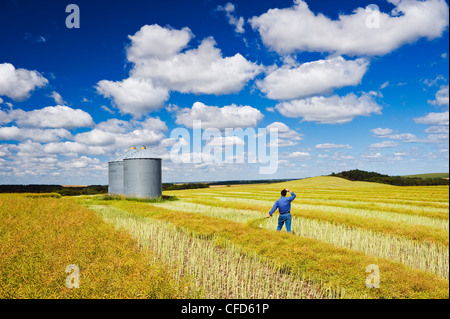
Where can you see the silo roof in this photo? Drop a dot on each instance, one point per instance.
(124, 155)
(141, 153)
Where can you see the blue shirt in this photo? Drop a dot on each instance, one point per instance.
(283, 204)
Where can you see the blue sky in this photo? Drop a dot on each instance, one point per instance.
(348, 84)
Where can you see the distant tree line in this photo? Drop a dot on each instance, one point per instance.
(171, 186)
(83, 190)
(259, 181)
(359, 175)
(64, 191)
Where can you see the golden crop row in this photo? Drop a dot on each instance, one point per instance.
(41, 236)
(321, 262)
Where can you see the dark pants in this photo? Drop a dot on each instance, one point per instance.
(284, 218)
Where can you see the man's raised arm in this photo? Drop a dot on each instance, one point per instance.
(292, 197)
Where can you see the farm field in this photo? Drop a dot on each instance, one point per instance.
(430, 175)
(42, 234)
(217, 243)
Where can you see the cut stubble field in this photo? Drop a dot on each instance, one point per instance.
(217, 243)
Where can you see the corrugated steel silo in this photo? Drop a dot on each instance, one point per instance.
(115, 173)
(142, 174)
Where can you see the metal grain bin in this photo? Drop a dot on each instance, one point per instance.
(115, 173)
(142, 175)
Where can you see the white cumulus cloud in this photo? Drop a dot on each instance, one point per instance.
(330, 110)
(442, 96)
(229, 116)
(389, 133)
(202, 70)
(441, 118)
(384, 144)
(371, 155)
(299, 29)
(17, 84)
(382, 131)
(312, 78)
(298, 155)
(162, 63)
(136, 96)
(59, 116)
(332, 145)
(286, 135)
(36, 135)
(153, 41)
(70, 148)
(117, 134)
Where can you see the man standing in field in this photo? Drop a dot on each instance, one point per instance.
(284, 207)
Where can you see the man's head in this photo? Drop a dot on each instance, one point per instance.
(283, 192)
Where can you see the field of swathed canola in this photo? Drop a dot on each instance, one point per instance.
(218, 243)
